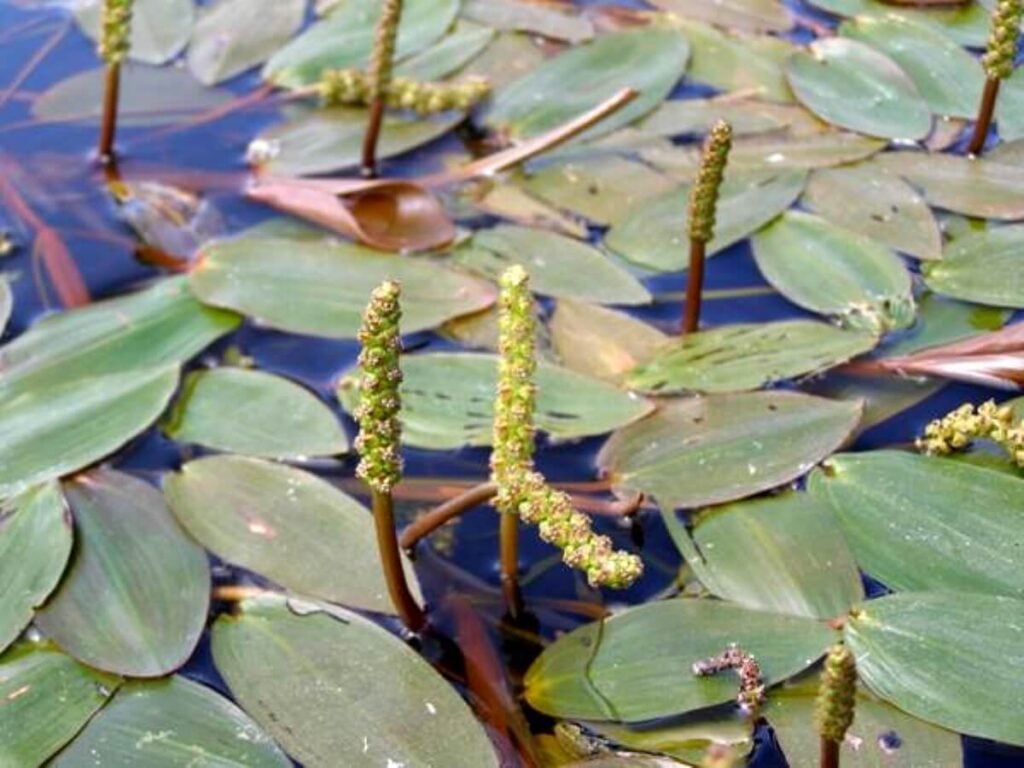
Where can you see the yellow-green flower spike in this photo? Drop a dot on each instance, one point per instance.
(1002, 39)
(837, 695)
(351, 87)
(115, 30)
(957, 429)
(379, 73)
(704, 193)
(380, 432)
(516, 397)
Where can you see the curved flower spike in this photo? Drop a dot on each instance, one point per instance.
(957, 429)
(837, 695)
(1002, 40)
(704, 193)
(344, 87)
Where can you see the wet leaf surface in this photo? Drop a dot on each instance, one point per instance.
(967, 24)
(733, 358)
(1010, 108)
(285, 524)
(47, 698)
(323, 286)
(924, 523)
(946, 657)
(35, 543)
(159, 722)
(448, 401)
(254, 413)
(154, 581)
(637, 665)
(463, 44)
(745, 15)
(983, 267)
(727, 446)
(324, 686)
(833, 271)
(746, 116)
(160, 28)
(685, 738)
(943, 321)
(884, 397)
(853, 86)
(552, 21)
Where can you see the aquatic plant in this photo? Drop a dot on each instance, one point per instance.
(957, 429)
(378, 80)
(351, 87)
(998, 62)
(837, 699)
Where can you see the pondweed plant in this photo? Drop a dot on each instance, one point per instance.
(998, 62)
(114, 45)
(958, 429)
(351, 87)
(380, 433)
(703, 202)
(837, 700)
(378, 80)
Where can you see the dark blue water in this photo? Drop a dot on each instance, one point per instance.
(56, 176)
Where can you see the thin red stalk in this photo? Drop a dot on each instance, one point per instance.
(391, 561)
(508, 549)
(371, 137)
(441, 514)
(108, 128)
(984, 121)
(694, 287)
(829, 754)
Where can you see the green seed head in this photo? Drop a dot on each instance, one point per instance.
(384, 49)
(959, 428)
(115, 30)
(380, 431)
(837, 695)
(704, 193)
(1002, 39)
(351, 87)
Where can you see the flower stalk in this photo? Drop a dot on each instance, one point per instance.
(380, 432)
(998, 63)
(703, 204)
(957, 429)
(114, 45)
(379, 80)
(837, 698)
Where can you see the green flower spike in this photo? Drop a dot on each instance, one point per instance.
(957, 429)
(837, 695)
(351, 87)
(381, 61)
(115, 30)
(704, 193)
(1002, 40)
(380, 431)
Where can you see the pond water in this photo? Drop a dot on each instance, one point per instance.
(52, 169)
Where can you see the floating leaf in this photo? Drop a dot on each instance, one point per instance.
(325, 140)
(452, 52)
(983, 267)
(285, 524)
(737, 62)
(149, 96)
(924, 523)
(637, 665)
(57, 429)
(746, 116)
(322, 287)
(726, 446)
(880, 734)
(324, 685)
(834, 271)
(686, 738)
(732, 358)
(232, 36)
(147, 329)
(946, 657)
(509, 57)
(160, 722)
(345, 39)
(513, 203)
(655, 235)
(966, 24)
(943, 321)
(448, 401)
(254, 413)
(47, 698)
(601, 342)
(35, 542)
(555, 263)
(848, 84)
(883, 396)
(603, 188)
(518, 16)
(971, 186)
(1010, 108)
(784, 554)
(160, 28)
(649, 61)
(948, 78)
(135, 596)
(746, 15)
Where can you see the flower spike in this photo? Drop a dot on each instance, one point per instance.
(998, 63)
(837, 698)
(957, 429)
(351, 87)
(115, 30)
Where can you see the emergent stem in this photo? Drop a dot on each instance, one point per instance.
(108, 128)
(829, 753)
(509, 555)
(984, 121)
(428, 523)
(373, 126)
(387, 544)
(694, 286)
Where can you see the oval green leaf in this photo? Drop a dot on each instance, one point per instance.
(945, 657)
(339, 690)
(135, 596)
(848, 84)
(982, 267)
(35, 543)
(650, 61)
(254, 413)
(163, 722)
(726, 447)
(833, 271)
(964, 24)
(448, 401)
(555, 263)
(322, 287)
(285, 524)
(924, 523)
(638, 664)
(733, 358)
(745, 15)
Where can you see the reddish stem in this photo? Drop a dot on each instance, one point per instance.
(371, 137)
(984, 121)
(391, 560)
(694, 287)
(108, 128)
